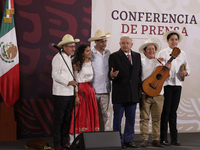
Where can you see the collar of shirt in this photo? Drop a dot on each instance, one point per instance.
(64, 54)
(94, 50)
(127, 53)
(170, 49)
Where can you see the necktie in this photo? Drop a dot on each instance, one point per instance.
(129, 57)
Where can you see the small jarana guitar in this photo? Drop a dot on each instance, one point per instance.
(153, 84)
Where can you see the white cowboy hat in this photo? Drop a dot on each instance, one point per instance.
(99, 35)
(172, 31)
(68, 39)
(147, 43)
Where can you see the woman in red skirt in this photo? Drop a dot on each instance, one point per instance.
(86, 112)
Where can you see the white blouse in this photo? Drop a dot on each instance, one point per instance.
(85, 74)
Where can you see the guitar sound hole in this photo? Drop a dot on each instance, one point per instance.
(158, 76)
(153, 86)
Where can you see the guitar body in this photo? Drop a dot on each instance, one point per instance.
(153, 84)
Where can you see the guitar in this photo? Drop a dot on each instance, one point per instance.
(182, 68)
(153, 84)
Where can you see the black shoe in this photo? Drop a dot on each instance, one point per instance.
(175, 143)
(131, 145)
(165, 143)
(123, 146)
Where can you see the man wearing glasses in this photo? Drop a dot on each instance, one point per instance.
(101, 82)
(63, 92)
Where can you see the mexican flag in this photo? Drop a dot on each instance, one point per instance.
(9, 57)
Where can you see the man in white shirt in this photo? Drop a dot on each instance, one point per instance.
(172, 87)
(101, 82)
(150, 104)
(63, 92)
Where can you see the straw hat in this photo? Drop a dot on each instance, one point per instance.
(68, 39)
(172, 31)
(147, 43)
(99, 35)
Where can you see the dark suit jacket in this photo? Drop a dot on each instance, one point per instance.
(126, 86)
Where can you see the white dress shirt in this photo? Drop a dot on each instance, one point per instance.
(148, 65)
(174, 78)
(61, 75)
(101, 82)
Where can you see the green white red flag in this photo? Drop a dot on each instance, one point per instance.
(9, 57)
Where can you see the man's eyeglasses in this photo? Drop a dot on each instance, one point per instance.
(71, 46)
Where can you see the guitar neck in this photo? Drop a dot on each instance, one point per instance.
(170, 60)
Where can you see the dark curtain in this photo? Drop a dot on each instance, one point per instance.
(38, 24)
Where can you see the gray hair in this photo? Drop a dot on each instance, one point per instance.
(126, 35)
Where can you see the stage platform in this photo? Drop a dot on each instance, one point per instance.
(189, 141)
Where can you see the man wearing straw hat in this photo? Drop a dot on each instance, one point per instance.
(101, 82)
(172, 87)
(63, 92)
(149, 104)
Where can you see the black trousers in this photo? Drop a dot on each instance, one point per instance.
(62, 117)
(172, 98)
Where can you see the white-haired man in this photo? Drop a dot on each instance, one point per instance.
(125, 73)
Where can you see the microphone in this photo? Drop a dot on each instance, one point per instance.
(58, 48)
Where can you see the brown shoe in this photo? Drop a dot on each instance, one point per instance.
(156, 143)
(144, 143)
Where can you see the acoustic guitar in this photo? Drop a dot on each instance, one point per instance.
(153, 84)
(182, 68)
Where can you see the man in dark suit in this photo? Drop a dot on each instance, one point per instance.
(125, 73)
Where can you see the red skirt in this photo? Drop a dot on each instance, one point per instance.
(86, 114)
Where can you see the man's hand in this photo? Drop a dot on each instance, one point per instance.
(75, 67)
(77, 101)
(168, 65)
(113, 74)
(72, 83)
(183, 73)
(161, 59)
(144, 96)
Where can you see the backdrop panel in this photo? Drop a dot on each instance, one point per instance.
(145, 19)
(38, 24)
